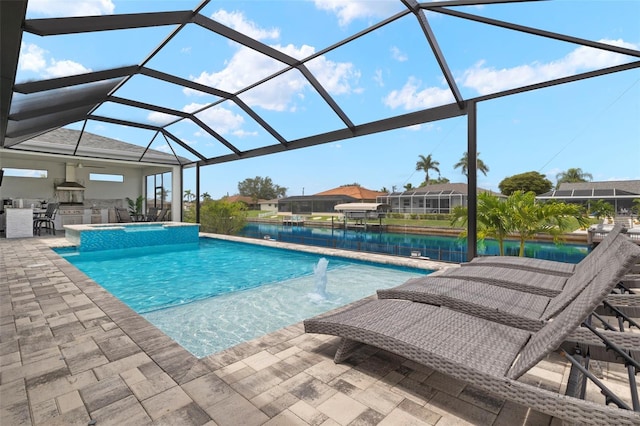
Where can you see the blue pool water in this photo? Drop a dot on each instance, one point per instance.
(215, 294)
(448, 249)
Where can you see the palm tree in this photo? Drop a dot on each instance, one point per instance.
(493, 218)
(573, 175)
(528, 217)
(464, 164)
(520, 215)
(205, 196)
(425, 164)
(188, 195)
(601, 208)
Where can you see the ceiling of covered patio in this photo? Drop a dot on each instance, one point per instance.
(156, 94)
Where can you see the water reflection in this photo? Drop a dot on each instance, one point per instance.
(449, 249)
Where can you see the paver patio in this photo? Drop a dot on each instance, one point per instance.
(71, 353)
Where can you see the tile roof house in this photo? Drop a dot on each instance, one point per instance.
(324, 202)
(355, 191)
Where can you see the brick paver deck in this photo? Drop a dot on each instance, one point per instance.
(72, 354)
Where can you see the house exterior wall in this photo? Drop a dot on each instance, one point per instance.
(269, 207)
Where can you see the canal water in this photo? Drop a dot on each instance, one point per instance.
(448, 249)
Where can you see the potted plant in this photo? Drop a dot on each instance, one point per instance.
(135, 207)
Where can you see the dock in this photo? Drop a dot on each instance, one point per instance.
(294, 220)
(596, 233)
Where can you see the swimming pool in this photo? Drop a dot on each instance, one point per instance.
(215, 294)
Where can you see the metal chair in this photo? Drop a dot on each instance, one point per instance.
(152, 215)
(46, 221)
(123, 215)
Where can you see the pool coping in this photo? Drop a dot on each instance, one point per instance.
(385, 259)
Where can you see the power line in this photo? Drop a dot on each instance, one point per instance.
(590, 122)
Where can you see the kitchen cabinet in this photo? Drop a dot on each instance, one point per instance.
(81, 216)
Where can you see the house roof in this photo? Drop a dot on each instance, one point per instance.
(439, 189)
(84, 144)
(624, 185)
(605, 189)
(355, 191)
(332, 197)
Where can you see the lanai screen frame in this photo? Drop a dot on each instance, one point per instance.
(81, 108)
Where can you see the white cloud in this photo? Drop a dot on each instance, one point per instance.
(32, 57)
(61, 8)
(378, 78)
(247, 66)
(350, 10)
(238, 22)
(485, 79)
(244, 134)
(64, 68)
(163, 148)
(336, 77)
(221, 119)
(398, 55)
(412, 97)
(160, 118)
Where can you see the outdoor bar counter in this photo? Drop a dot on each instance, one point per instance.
(19, 222)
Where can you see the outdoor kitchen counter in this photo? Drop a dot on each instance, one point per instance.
(78, 215)
(19, 222)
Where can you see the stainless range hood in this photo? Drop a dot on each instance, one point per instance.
(70, 183)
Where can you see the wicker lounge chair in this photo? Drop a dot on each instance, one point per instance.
(518, 305)
(522, 309)
(480, 352)
(541, 265)
(520, 275)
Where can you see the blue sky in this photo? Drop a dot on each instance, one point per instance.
(592, 124)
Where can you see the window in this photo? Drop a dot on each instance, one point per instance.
(106, 177)
(29, 173)
(158, 189)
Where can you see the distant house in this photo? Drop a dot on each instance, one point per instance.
(324, 202)
(436, 198)
(269, 205)
(619, 193)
